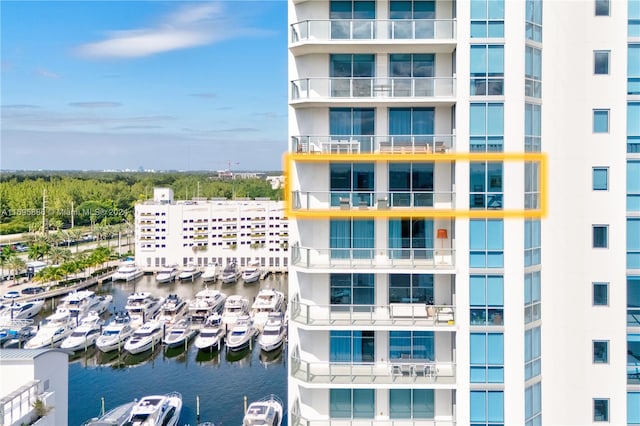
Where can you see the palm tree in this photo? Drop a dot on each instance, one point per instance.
(6, 255)
(59, 255)
(100, 231)
(75, 234)
(17, 265)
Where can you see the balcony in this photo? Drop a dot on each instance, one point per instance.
(323, 200)
(299, 420)
(372, 258)
(320, 90)
(394, 314)
(365, 144)
(402, 372)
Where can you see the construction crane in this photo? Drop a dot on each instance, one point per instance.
(227, 174)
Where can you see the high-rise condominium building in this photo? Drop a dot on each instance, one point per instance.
(464, 187)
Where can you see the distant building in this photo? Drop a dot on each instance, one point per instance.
(203, 231)
(31, 377)
(276, 182)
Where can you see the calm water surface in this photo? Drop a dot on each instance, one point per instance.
(220, 379)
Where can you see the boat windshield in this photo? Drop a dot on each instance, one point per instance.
(110, 332)
(238, 332)
(268, 332)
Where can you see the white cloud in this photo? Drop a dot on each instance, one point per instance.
(95, 104)
(49, 75)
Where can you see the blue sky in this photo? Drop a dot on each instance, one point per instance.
(92, 85)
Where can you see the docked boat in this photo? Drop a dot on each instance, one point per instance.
(206, 302)
(179, 333)
(189, 273)
(80, 303)
(85, 334)
(210, 273)
(15, 332)
(115, 333)
(142, 307)
(211, 334)
(267, 301)
(23, 310)
(234, 307)
(173, 308)
(144, 338)
(242, 333)
(273, 333)
(266, 412)
(118, 416)
(127, 271)
(252, 272)
(167, 274)
(230, 274)
(156, 410)
(53, 330)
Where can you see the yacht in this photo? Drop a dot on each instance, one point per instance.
(142, 307)
(156, 410)
(167, 274)
(53, 330)
(274, 333)
(115, 333)
(210, 273)
(15, 332)
(234, 307)
(80, 303)
(267, 301)
(23, 310)
(211, 333)
(265, 412)
(241, 334)
(230, 274)
(144, 338)
(179, 333)
(85, 334)
(118, 416)
(252, 272)
(189, 273)
(172, 309)
(127, 271)
(206, 302)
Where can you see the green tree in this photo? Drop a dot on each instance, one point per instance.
(17, 265)
(6, 254)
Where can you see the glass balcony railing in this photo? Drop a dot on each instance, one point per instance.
(393, 314)
(372, 87)
(367, 29)
(319, 200)
(300, 420)
(372, 258)
(366, 144)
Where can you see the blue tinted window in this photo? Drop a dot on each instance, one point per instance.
(600, 236)
(600, 351)
(601, 294)
(600, 178)
(600, 121)
(601, 62)
(633, 408)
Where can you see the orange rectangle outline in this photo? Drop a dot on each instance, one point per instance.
(539, 213)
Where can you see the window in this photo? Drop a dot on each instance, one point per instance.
(534, 20)
(352, 403)
(485, 183)
(487, 18)
(633, 408)
(532, 127)
(601, 410)
(532, 353)
(633, 127)
(532, 242)
(602, 7)
(411, 184)
(600, 294)
(415, 345)
(351, 75)
(412, 19)
(411, 403)
(600, 121)
(533, 72)
(633, 359)
(633, 69)
(353, 124)
(600, 178)
(486, 127)
(532, 310)
(600, 351)
(486, 298)
(412, 127)
(486, 243)
(633, 243)
(411, 288)
(351, 346)
(634, 18)
(411, 74)
(533, 405)
(487, 70)
(486, 357)
(351, 238)
(352, 289)
(353, 182)
(352, 19)
(601, 62)
(411, 238)
(487, 407)
(600, 236)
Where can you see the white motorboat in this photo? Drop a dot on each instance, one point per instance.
(266, 412)
(267, 301)
(211, 334)
(172, 309)
(179, 333)
(80, 303)
(210, 273)
(15, 332)
(234, 307)
(23, 310)
(144, 338)
(53, 330)
(142, 307)
(206, 302)
(230, 274)
(167, 274)
(189, 273)
(252, 272)
(115, 333)
(242, 333)
(273, 333)
(85, 334)
(156, 410)
(127, 271)
(118, 416)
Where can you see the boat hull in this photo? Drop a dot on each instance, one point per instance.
(143, 345)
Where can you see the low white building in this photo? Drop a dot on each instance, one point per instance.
(202, 231)
(33, 383)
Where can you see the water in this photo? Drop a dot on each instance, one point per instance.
(220, 379)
